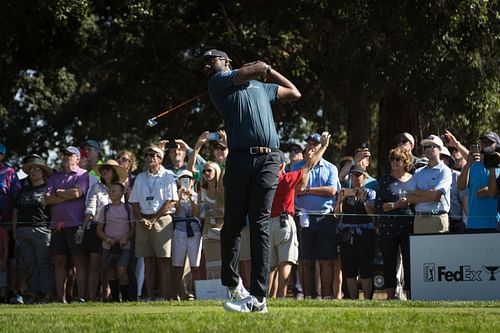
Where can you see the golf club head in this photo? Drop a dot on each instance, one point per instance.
(152, 122)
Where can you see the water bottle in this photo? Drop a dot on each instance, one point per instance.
(79, 235)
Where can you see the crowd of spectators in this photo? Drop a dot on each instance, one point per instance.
(94, 230)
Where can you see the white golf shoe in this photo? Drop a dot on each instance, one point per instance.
(247, 304)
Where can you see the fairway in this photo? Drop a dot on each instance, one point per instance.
(283, 316)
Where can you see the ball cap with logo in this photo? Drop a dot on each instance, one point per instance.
(215, 53)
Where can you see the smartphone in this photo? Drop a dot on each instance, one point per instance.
(349, 192)
(185, 182)
(475, 148)
(213, 136)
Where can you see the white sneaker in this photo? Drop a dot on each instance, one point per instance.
(239, 292)
(248, 304)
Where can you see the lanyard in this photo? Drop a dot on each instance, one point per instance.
(151, 186)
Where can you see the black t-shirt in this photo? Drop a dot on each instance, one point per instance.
(31, 208)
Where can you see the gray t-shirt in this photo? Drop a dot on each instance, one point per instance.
(246, 110)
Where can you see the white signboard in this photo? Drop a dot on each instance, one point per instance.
(210, 289)
(455, 267)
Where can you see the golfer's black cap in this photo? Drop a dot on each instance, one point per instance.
(215, 53)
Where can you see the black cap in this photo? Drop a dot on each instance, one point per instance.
(215, 53)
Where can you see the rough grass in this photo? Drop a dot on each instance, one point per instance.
(283, 316)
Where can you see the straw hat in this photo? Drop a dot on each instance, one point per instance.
(38, 162)
(120, 171)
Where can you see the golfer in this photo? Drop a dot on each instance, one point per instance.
(252, 167)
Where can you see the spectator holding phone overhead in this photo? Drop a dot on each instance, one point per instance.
(318, 226)
(482, 209)
(178, 153)
(220, 150)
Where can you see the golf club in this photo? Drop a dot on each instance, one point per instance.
(152, 122)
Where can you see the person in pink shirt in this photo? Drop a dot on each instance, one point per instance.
(115, 229)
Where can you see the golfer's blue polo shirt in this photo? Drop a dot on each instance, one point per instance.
(246, 110)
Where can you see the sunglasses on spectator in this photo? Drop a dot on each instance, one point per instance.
(430, 147)
(402, 142)
(151, 155)
(106, 168)
(208, 170)
(67, 153)
(295, 150)
(123, 159)
(397, 159)
(220, 148)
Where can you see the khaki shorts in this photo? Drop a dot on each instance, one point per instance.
(155, 242)
(245, 244)
(283, 243)
(430, 224)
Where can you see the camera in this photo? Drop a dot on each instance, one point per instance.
(491, 157)
(475, 148)
(213, 136)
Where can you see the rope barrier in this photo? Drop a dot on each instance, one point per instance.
(298, 214)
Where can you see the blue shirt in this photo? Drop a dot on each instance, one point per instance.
(246, 110)
(436, 178)
(482, 212)
(323, 174)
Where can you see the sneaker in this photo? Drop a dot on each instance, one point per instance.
(238, 293)
(17, 299)
(247, 304)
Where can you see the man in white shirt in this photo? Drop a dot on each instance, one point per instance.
(153, 197)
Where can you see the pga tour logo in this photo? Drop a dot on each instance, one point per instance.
(433, 273)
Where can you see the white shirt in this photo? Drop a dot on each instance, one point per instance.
(151, 191)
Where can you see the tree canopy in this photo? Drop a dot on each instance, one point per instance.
(367, 70)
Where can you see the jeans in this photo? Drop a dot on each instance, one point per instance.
(33, 244)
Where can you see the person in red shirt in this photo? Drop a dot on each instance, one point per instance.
(284, 246)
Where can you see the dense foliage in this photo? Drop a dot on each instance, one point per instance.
(73, 69)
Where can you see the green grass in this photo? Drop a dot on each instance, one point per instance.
(283, 316)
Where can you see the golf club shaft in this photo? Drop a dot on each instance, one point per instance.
(180, 105)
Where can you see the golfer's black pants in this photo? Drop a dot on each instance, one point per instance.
(250, 182)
